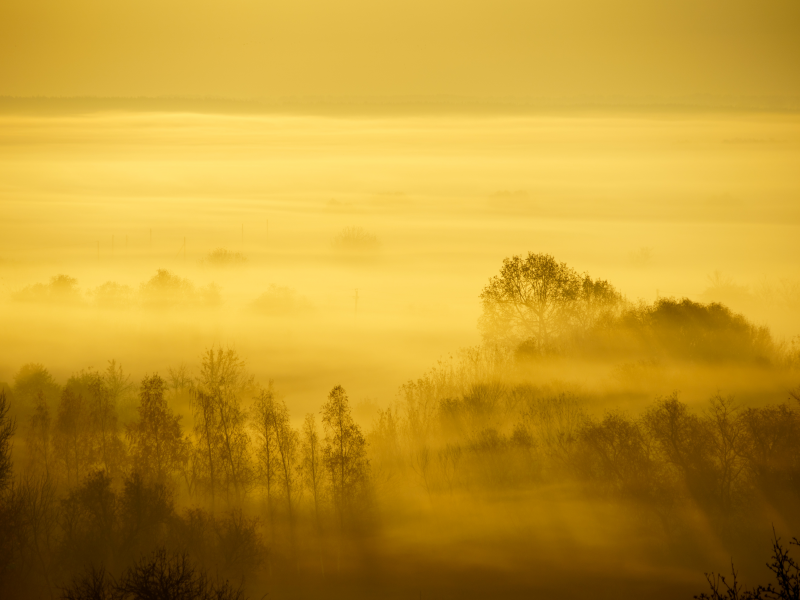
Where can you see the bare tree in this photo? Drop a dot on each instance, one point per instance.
(288, 442)
(105, 420)
(312, 462)
(117, 382)
(683, 441)
(784, 567)
(222, 382)
(180, 379)
(160, 575)
(263, 420)
(205, 453)
(729, 448)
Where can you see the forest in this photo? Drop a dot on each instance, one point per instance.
(200, 482)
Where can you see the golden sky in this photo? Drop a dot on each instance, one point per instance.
(273, 48)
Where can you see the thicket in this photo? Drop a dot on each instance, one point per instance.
(239, 493)
(462, 426)
(537, 307)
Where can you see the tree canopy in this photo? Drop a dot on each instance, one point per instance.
(535, 300)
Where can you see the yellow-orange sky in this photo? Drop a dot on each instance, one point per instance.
(660, 49)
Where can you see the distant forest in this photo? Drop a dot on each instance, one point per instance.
(107, 492)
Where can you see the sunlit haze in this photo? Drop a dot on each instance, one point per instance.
(398, 300)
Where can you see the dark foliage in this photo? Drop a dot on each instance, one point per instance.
(785, 569)
(160, 576)
(697, 332)
(7, 428)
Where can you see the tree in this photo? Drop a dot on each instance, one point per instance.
(87, 427)
(72, 435)
(116, 381)
(180, 380)
(704, 332)
(729, 447)
(312, 462)
(615, 453)
(220, 420)
(7, 428)
(529, 301)
(157, 446)
(89, 521)
(684, 441)
(774, 451)
(784, 567)
(345, 453)
(288, 442)
(39, 510)
(205, 451)
(596, 300)
(144, 509)
(263, 419)
(105, 420)
(40, 437)
(31, 380)
(535, 300)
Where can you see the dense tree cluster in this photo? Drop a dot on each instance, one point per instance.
(725, 460)
(538, 306)
(241, 491)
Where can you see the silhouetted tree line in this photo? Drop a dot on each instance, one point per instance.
(239, 493)
(724, 459)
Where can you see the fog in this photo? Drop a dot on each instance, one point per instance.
(654, 203)
(329, 249)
